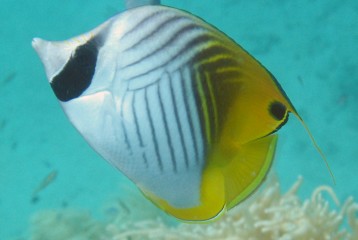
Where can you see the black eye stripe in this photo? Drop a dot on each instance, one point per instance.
(76, 76)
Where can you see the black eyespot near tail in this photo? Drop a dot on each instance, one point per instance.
(278, 111)
(76, 76)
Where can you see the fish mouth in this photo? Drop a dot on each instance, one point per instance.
(53, 54)
(36, 43)
(39, 45)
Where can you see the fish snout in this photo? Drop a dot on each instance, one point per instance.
(53, 55)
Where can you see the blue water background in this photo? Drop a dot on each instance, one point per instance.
(310, 46)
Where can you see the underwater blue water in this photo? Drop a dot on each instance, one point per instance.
(310, 46)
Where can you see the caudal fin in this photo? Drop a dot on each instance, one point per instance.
(248, 169)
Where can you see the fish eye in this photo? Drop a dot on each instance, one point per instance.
(277, 110)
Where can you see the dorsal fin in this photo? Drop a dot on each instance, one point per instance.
(315, 145)
(137, 3)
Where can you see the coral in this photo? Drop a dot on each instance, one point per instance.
(66, 224)
(268, 214)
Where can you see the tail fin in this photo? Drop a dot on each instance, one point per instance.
(248, 169)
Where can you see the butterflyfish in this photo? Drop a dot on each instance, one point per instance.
(173, 103)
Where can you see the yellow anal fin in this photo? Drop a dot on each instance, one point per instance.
(248, 169)
(226, 183)
(212, 200)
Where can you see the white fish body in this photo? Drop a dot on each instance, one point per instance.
(174, 104)
(131, 83)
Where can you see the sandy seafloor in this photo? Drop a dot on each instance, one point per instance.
(310, 46)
